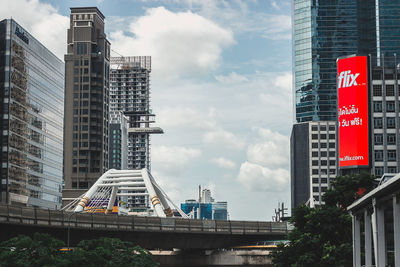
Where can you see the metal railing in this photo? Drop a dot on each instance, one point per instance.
(36, 216)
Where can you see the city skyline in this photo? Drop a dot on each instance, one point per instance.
(222, 95)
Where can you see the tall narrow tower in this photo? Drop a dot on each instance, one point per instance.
(86, 101)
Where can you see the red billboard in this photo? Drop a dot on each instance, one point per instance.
(352, 88)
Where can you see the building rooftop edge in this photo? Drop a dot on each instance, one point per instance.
(87, 8)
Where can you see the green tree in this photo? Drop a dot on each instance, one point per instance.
(44, 250)
(110, 252)
(41, 250)
(322, 235)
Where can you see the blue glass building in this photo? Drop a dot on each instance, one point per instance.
(327, 29)
(192, 205)
(31, 128)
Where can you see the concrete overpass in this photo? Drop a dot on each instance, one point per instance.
(148, 232)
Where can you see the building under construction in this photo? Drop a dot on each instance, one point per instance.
(130, 94)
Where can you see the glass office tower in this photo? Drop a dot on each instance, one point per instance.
(31, 110)
(322, 32)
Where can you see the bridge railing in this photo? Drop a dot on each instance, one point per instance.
(37, 216)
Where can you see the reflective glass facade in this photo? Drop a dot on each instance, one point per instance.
(32, 110)
(326, 30)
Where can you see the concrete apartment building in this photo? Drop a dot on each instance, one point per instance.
(86, 101)
(31, 128)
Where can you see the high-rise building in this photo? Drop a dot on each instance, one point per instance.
(86, 101)
(31, 110)
(322, 32)
(118, 149)
(130, 95)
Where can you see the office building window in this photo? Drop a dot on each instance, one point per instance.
(378, 123)
(390, 106)
(315, 171)
(315, 180)
(377, 90)
(391, 155)
(390, 90)
(391, 139)
(391, 122)
(378, 155)
(378, 139)
(392, 169)
(377, 106)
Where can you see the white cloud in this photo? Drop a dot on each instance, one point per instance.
(272, 151)
(258, 178)
(224, 163)
(279, 91)
(181, 43)
(275, 5)
(41, 20)
(233, 77)
(279, 27)
(224, 138)
(186, 117)
(172, 159)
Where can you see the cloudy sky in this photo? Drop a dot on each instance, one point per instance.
(221, 89)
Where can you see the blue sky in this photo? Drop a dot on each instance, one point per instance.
(221, 89)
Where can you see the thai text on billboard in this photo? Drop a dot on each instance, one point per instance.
(352, 87)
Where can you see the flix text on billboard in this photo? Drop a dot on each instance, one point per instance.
(352, 79)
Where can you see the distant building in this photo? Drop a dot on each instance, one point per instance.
(191, 208)
(31, 128)
(220, 210)
(209, 209)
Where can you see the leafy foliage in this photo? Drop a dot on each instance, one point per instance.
(111, 252)
(44, 250)
(322, 236)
